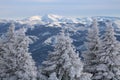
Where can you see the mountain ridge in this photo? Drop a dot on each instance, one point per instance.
(45, 32)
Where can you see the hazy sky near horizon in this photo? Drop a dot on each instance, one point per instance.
(73, 8)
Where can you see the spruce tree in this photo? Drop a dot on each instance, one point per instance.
(93, 47)
(15, 60)
(109, 59)
(63, 61)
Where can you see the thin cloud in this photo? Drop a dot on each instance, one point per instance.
(26, 1)
(64, 7)
(39, 0)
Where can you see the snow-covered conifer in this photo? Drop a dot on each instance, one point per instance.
(63, 61)
(109, 59)
(93, 47)
(15, 60)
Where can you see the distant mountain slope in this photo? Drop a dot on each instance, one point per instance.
(43, 29)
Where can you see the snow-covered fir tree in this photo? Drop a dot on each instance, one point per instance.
(15, 60)
(63, 63)
(93, 48)
(109, 59)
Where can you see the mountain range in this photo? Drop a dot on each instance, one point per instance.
(43, 29)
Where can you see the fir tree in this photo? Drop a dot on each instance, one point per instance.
(15, 60)
(93, 47)
(109, 59)
(63, 61)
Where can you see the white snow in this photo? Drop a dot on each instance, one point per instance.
(46, 33)
(118, 23)
(50, 18)
(34, 18)
(50, 40)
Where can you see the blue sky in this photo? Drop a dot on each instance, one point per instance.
(72, 8)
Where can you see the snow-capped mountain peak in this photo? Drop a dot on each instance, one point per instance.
(51, 18)
(54, 16)
(34, 18)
